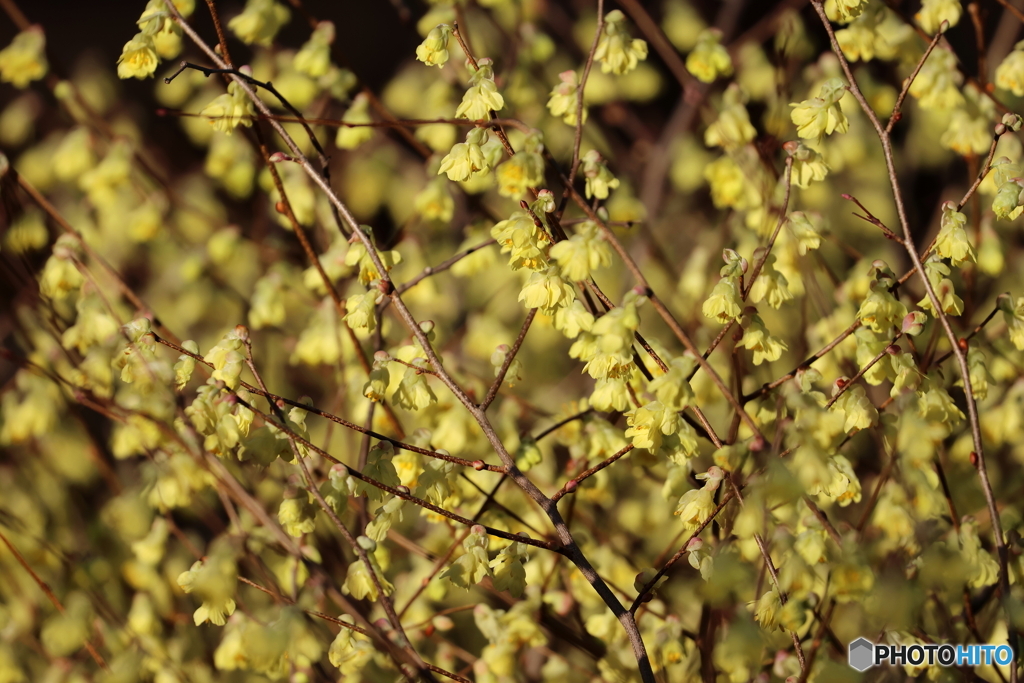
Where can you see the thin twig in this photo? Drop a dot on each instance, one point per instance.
(897, 110)
(578, 133)
(641, 597)
(509, 357)
(972, 408)
(1012, 10)
(43, 586)
(573, 484)
(569, 546)
(759, 264)
(860, 373)
(273, 398)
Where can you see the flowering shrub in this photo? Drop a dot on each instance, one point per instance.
(677, 277)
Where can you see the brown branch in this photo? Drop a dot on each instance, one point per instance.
(569, 546)
(641, 597)
(578, 133)
(573, 484)
(961, 357)
(860, 373)
(759, 264)
(274, 398)
(897, 110)
(43, 586)
(221, 38)
(509, 357)
(1012, 10)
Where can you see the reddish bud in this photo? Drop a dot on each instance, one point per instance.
(280, 208)
(963, 344)
(428, 630)
(974, 459)
(841, 382)
(571, 485)
(479, 465)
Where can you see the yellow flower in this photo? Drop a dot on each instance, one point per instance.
(358, 583)
(1010, 74)
(314, 58)
(770, 285)
(230, 110)
(520, 173)
(158, 24)
(466, 159)
(696, 506)
(138, 58)
(413, 391)
(361, 310)
(768, 608)
(471, 568)
(934, 12)
(855, 406)
(433, 51)
(821, 115)
(24, 60)
(1013, 314)
(298, 515)
(572, 319)
(649, 423)
(259, 22)
(967, 134)
(617, 51)
(724, 303)
(757, 339)
(527, 244)
(729, 186)
(377, 382)
(610, 394)
(952, 241)
(482, 97)
(844, 11)
(583, 253)
(937, 85)
(350, 137)
(600, 180)
(733, 128)
(563, 98)
(351, 651)
(435, 202)
(546, 291)
(808, 166)
(880, 311)
(213, 581)
(709, 59)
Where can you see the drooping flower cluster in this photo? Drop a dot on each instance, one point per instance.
(617, 51)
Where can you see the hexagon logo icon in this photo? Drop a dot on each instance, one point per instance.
(862, 654)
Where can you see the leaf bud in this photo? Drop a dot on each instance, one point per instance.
(1012, 121)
